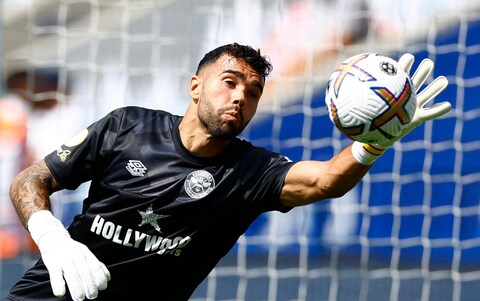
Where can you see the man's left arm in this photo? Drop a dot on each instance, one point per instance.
(312, 181)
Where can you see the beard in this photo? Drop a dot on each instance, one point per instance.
(214, 124)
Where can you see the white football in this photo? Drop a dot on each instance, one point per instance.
(370, 98)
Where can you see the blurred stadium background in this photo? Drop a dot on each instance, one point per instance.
(409, 231)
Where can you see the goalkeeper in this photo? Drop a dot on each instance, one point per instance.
(170, 195)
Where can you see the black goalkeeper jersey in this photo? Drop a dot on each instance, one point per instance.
(158, 216)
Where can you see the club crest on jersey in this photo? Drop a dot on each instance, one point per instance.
(136, 168)
(199, 183)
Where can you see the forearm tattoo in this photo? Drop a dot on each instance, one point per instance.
(31, 189)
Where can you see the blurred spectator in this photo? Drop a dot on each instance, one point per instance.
(35, 104)
(13, 131)
(39, 93)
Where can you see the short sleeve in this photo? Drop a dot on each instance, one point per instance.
(82, 158)
(267, 184)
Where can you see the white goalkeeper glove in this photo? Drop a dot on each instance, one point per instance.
(368, 153)
(67, 259)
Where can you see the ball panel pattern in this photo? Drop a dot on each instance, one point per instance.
(370, 98)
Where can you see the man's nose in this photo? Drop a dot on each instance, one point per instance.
(239, 97)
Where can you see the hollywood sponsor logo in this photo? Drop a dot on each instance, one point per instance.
(136, 239)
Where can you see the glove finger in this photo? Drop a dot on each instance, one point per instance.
(106, 271)
(435, 111)
(86, 270)
(101, 277)
(422, 72)
(56, 281)
(74, 281)
(97, 271)
(432, 90)
(406, 61)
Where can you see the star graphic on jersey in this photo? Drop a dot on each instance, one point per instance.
(149, 217)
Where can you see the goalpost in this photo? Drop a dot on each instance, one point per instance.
(409, 231)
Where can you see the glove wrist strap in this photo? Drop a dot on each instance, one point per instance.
(366, 154)
(43, 222)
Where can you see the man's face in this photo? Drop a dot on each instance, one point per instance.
(229, 93)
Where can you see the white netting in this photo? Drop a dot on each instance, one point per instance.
(409, 231)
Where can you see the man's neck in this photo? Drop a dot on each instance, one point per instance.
(198, 142)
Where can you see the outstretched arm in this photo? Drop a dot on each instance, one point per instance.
(312, 181)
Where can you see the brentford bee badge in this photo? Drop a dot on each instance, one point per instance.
(199, 183)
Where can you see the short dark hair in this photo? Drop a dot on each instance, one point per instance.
(246, 53)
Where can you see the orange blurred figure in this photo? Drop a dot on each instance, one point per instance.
(13, 134)
(13, 125)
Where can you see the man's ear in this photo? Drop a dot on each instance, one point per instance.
(195, 87)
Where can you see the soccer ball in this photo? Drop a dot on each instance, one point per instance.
(370, 98)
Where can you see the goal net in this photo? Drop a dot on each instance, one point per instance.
(409, 231)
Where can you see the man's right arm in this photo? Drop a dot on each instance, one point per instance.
(68, 261)
(31, 189)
